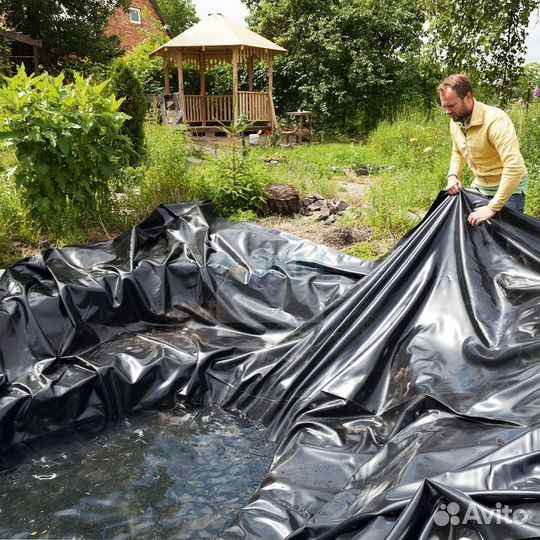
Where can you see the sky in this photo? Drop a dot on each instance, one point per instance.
(235, 10)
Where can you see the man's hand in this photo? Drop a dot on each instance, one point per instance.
(480, 215)
(453, 186)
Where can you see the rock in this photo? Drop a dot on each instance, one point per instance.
(361, 171)
(306, 201)
(283, 199)
(337, 206)
(315, 207)
(305, 211)
(332, 219)
(341, 205)
(325, 214)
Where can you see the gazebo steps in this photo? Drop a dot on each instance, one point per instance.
(201, 131)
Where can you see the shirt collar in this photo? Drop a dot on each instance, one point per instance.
(477, 116)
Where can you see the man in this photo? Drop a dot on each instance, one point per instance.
(484, 138)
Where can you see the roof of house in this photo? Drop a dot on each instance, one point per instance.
(219, 31)
(161, 17)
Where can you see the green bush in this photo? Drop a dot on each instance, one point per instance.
(234, 182)
(163, 175)
(67, 140)
(149, 71)
(125, 85)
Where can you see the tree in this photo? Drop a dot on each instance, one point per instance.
(486, 39)
(179, 14)
(124, 84)
(69, 28)
(345, 57)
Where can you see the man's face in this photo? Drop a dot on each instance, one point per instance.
(455, 107)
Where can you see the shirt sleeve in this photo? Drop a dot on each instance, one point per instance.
(457, 161)
(502, 135)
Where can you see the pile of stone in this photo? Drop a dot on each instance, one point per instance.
(322, 209)
(285, 200)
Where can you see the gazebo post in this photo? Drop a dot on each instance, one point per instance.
(166, 72)
(250, 72)
(181, 82)
(271, 90)
(202, 67)
(235, 83)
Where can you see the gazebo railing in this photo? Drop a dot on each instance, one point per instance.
(219, 108)
(193, 106)
(255, 105)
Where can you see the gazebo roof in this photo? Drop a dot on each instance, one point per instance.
(218, 31)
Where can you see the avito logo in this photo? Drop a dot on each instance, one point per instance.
(454, 515)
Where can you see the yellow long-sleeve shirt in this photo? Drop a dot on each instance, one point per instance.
(491, 149)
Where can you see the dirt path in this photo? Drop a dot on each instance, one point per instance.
(338, 235)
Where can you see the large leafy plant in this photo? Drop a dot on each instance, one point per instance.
(67, 140)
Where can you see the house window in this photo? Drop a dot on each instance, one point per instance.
(135, 15)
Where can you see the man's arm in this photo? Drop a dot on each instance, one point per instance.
(457, 163)
(502, 135)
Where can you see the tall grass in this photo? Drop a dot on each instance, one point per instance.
(417, 149)
(527, 122)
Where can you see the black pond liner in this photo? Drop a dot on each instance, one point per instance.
(403, 396)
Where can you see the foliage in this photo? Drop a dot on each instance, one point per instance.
(125, 85)
(416, 151)
(484, 38)
(243, 215)
(66, 139)
(528, 82)
(69, 28)
(16, 225)
(235, 181)
(162, 176)
(179, 14)
(350, 218)
(343, 57)
(526, 119)
(149, 71)
(5, 51)
(362, 250)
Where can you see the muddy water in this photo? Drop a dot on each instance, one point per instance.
(160, 475)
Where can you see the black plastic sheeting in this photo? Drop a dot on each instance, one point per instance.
(404, 395)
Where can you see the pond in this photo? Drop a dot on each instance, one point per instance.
(180, 474)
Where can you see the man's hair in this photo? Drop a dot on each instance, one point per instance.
(458, 82)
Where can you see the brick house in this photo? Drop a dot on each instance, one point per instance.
(143, 17)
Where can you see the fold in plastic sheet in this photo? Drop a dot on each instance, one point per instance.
(404, 395)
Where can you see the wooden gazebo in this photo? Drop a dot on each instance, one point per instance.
(213, 41)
